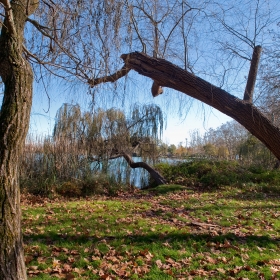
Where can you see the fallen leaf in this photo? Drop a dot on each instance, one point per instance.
(159, 263)
(28, 259)
(67, 268)
(70, 276)
(221, 270)
(55, 262)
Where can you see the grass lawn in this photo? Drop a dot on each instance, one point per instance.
(171, 232)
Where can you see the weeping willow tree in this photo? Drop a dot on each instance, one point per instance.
(81, 41)
(109, 134)
(67, 122)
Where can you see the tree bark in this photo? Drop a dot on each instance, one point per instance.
(170, 75)
(17, 76)
(249, 90)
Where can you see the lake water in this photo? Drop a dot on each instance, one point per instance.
(139, 177)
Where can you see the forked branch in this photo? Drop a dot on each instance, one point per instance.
(171, 76)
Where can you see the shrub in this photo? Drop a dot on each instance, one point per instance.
(39, 185)
(211, 173)
(69, 189)
(101, 183)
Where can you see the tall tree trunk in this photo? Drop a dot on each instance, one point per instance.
(14, 122)
(169, 75)
(17, 76)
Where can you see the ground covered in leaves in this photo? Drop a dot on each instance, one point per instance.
(172, 232)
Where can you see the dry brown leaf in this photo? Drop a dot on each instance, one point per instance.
(275, 262)
(159, 263)
(66, 268)
(69, 276)
(274, 269)
(210, 260)
(55, 262)
(28, 259)
(221, 270)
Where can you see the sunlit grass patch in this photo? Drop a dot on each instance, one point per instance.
(177, 234)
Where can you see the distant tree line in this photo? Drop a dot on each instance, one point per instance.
(230, 141)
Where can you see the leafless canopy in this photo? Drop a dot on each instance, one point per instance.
(83, 40)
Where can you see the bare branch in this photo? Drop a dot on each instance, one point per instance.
(37, 24)
(111, 78)
(137, 32)
(169, 75)
(234, 32)
(9, 16)
(48, 65)
(43, 29)
(249, 90)
(234, 50)
(175, 25)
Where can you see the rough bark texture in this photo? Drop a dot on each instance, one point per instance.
(170, 75)
(17, 77)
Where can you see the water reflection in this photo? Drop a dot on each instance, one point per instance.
(122, 172)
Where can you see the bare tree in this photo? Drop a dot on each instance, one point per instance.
(242, 110)
(71, 40)
(82, 41)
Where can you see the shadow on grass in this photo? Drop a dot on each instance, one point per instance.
(238, 193)
(221, 207)
(164, 189)
(258, 195)
(186, 239)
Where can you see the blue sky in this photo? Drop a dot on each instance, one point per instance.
(207, 56)
(180, 120)
(178, 130)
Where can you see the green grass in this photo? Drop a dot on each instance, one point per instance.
(171, 232)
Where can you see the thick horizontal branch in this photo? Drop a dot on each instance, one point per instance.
(172, 76)
(111, 78)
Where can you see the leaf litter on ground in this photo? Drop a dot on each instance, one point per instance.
(181, 234)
